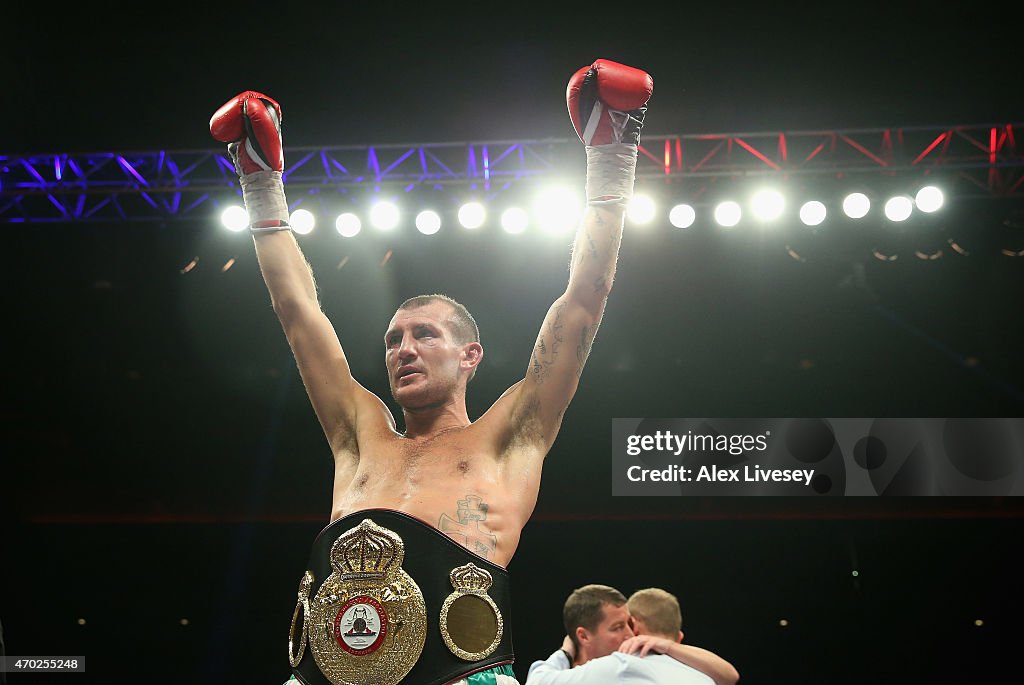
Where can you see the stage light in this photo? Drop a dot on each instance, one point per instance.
(929, 199)
(384, 215)
(302, 221)
(682, 216)
(235, 218)
(472, 215)
(557, 209)
(428, 222)
(514, 220)
(640, 209)
(728, 213)
(767, 205)
(856, 205)
(813, 213)
(899, 208)
(348, 225)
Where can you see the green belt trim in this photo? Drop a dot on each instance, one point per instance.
(488, 677)
(482, 678)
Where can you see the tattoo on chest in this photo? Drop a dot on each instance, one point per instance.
(471, 512)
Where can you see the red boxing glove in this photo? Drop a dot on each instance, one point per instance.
(607, 102)
(250, 123)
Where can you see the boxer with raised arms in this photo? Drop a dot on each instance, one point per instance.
(472, 483)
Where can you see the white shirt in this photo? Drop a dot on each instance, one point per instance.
(653, 669)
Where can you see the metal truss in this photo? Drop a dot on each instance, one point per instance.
(984, 160)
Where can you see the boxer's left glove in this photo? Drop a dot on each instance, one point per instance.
(250, 123)
(607, 102)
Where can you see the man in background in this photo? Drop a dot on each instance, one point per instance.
(610, 639)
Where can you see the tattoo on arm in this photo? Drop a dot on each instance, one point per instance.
(592, 245)
(466, 529)
(543, 357)
(583, 349)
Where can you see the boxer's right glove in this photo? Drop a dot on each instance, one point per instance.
(607, 102)
(250, 123)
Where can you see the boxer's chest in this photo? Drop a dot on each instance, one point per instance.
(451, 484)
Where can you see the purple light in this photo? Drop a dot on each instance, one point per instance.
(329, 162)
(57, 204)
(399, 160)
(57, 168)
(131, 170)
(198, 202)
(32, 172)
(100, 205)
(509, 151)
(338, 165)
(487, 170)
(374, 164)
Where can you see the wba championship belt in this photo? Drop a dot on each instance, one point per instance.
(388, 599)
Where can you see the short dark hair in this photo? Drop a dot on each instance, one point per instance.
(462, 323)
(585, 608)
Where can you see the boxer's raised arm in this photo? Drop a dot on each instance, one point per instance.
(607, 102)
(251, 125)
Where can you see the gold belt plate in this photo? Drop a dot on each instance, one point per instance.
(367, 623)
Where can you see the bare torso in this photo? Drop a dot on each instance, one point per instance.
(458, 481)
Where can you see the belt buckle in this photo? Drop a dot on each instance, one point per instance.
(368, 620)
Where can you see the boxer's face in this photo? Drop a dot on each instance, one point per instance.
(611, 632)
(422, 357)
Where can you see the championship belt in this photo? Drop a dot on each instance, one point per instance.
(388, 599)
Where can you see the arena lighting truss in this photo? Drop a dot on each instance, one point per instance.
(984, 161)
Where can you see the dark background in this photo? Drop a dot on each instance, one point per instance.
(162, 462)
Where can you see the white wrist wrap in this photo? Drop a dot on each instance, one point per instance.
(265, 201)
(611, 170)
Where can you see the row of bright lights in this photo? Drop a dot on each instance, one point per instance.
(557, 211)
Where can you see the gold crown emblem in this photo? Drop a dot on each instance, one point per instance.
(470, 578)
(367, 551)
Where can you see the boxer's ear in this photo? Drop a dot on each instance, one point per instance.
(472, 355)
